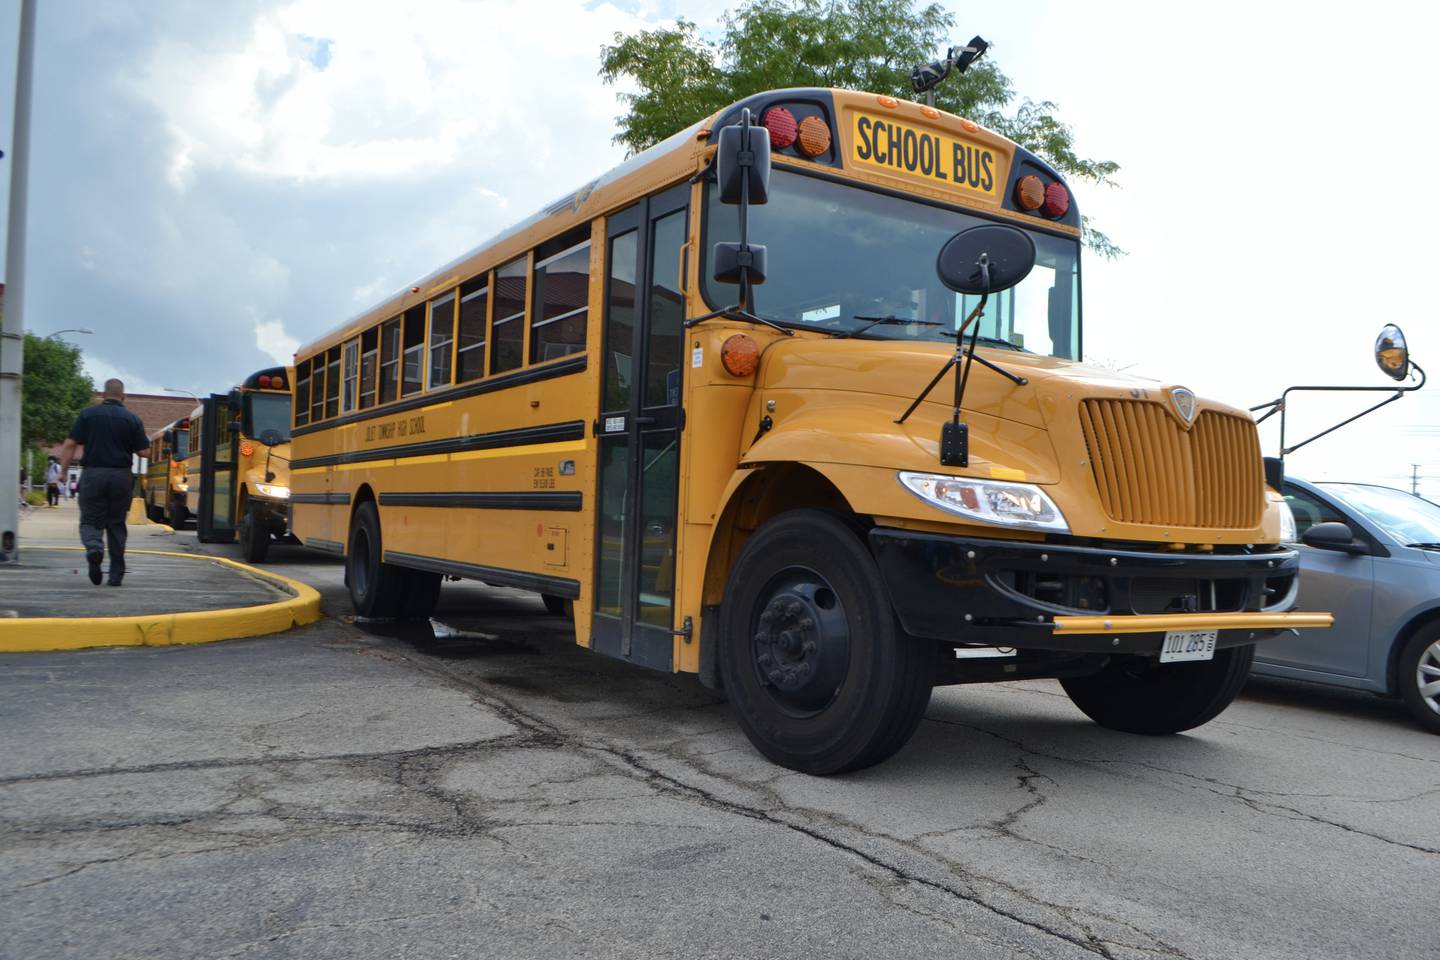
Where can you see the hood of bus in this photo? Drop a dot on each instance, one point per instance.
(252, 468)
(837, 400)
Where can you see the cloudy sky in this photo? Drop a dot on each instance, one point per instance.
(213, 182)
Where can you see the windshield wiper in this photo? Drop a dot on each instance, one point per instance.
(737, 312)
(997, 341)
(876, 321)
(1426, 545)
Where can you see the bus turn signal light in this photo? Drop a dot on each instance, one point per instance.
(1057, 200)
(740, 355)
(247, 449)
(781, 124)
(814, 136)
(1029, 193)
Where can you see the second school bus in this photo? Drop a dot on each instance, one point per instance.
(736, 498)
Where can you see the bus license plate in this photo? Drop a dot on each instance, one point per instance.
(1183, 645)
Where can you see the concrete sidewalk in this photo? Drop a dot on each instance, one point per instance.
(47, 601)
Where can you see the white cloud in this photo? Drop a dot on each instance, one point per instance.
(101, 370)
(274, 342)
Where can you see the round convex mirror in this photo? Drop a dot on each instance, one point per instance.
(1391, 354)
(986, 259)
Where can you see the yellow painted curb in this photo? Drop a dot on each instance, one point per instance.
(202, 626)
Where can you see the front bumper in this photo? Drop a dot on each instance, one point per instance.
(1083, 599)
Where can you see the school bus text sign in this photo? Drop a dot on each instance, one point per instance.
(938, 158)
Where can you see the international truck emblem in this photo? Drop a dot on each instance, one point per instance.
(1183, 400)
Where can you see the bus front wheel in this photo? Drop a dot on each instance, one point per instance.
(1142, 695)
(821, 676)
(254, 535)
(377, 589)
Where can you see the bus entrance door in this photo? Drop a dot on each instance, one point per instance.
(215, 521)
(639, 426)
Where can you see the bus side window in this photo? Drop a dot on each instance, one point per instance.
(368, 359)
(317, 388)
(442, 340)
(413, 351)
(332, 382)
(352, 376)
(470, 355)
(508, 334)
(389, 360)
(302, 393)
(561, 296)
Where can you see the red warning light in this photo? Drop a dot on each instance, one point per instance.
(781, 124)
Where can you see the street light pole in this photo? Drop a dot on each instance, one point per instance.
(12, 321)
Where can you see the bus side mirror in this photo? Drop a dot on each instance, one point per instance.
(1391, 354)
(742, 163)
(234, 425)
(985, 259)
(234, 401)
(729, 258)
(169, 438)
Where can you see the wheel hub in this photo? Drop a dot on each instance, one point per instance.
(1427, 676)
(801, 640)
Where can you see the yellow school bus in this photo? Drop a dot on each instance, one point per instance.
(165, 484)
(238, 464)
(790, 487)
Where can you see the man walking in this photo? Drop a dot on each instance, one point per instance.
(52, 483)
(110, 435)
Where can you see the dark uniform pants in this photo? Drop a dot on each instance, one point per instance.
(104, 504)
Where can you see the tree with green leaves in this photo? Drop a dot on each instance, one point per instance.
(54, 391)
(853, 44)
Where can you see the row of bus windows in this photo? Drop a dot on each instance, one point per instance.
(437, 344)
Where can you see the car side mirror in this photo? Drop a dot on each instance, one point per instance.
(1333, 536)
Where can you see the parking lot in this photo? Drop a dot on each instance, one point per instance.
(348, 792)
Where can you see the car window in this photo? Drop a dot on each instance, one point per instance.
(1309, 510)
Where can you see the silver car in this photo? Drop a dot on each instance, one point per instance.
(1371, 556)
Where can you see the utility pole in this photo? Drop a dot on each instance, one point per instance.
(12, 321)
(1415, 479)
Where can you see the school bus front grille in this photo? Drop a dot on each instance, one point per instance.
(1148, 469)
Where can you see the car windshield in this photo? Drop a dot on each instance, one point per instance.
(270, 411)
(838, 254)
(1405, 517)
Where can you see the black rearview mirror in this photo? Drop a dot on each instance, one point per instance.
(729, 258)
(743, 157)
(1333, 536)
(234, 401)
(234, 425)
(986, 259)
(1391, 353)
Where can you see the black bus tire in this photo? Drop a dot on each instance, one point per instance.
(177, 512)
(422, 593)
(1420, 651)
(254, 535)
(377, 589)
(820, 675)
(1142, 695)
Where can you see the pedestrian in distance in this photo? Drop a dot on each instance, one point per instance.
(74, 487)
(111, 435)
(52, 482)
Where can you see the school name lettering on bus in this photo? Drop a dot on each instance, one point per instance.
(897, 146)
(401, 427)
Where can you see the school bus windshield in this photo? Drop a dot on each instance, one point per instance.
(839, 253)
(269, 411)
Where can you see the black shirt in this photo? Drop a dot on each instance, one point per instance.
(109, 434)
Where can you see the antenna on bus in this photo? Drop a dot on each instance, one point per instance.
(927, 76)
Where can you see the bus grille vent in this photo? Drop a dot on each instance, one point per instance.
(1148, 469)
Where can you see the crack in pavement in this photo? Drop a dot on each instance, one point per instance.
(1243, 794)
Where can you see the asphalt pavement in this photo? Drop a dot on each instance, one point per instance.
(374, 792)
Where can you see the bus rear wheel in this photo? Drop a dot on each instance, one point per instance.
(377, 589)
(254, 535)
(821, 676)
(1142, 695)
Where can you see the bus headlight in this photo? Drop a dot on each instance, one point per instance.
(988, 501)
(1288, 533)
(273, 491)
